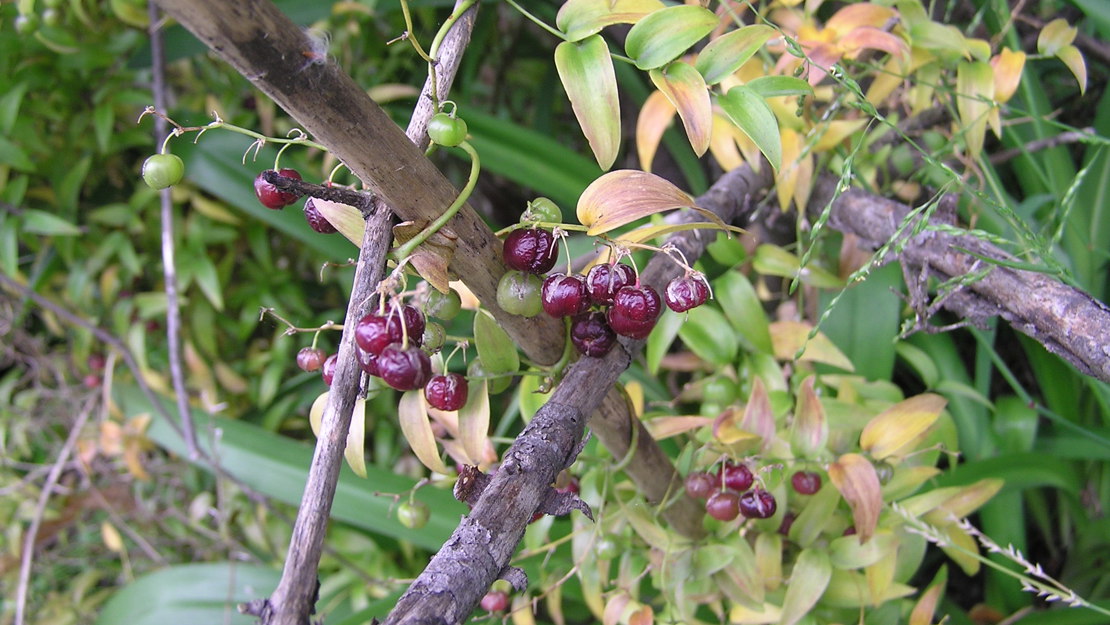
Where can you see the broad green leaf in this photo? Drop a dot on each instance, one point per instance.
(412, 414)
(12, 154)
(846, 552)
(774, 86)
(898, 429)
(623, 196)
(811, 521)
(495, 348)
(685, 89)
(346, 219)
(974, 93)
(355, 451)
(751, 114)
(47, 224)
(1054, 36)
(528, 398)
(920, 362)
(744, 311)
(849, 589)
(664, 35)
(186, 594)
(775, 261)
(661, 337)
(707, 333)
(768, 559)
(906, 481)
(586, 71)
(960, 544)
(808, 580)
(474, 421)
(725, 54)
(654, 119)
(578, 19)
(854, 476)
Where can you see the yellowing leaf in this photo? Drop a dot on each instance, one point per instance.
(768, 559)
(666, 427)
(926, 606)
(655, 117)
(623, 196)
(896, 430)
(966, 500)
(684, 87)
(722, 144)
(810, 429)
(834, 133)
(808, 580)
(347, 219)
(961, 544)
(586, 71)
(847, 553)
(1007, 66)
(974, 95)
(664, 35)
(1071, 57)
(787, 337)
(759, 417)
(111, 537)
(1054, 36)
(355, 451)
(579, 19)
(433, 257)
(412, 414)
(855, 478)
(873, 39)
(725, 54)
(750, 113)
(474, 421)
(795, 180)
(860, 14)
(765, 614)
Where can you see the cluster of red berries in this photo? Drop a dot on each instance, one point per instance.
(621, 305)
(272, 197)
(729, 493)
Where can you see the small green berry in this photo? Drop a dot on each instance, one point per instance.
(163, 170)
(542, 209)
(413, 514)
(445, 130)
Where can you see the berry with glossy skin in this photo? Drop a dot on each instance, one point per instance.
(806, 482)
(787, 522)
(327, 370)
(737, 477)
(311, 358)
(564, 296)
(316, 219)
(367, 361)
(542, 209)
(634, 311)
(413, 514)
(757, 504)
(495, 601)
(700, 485)
(685, 293)
(404, 368)
(443, 305)
(269, 195)
(531, 250)
(592, 335)
(518, 293)
(447, 391)
(603, 281)
(723, 505)
(163, 170)
(374, 332)
(445, 130)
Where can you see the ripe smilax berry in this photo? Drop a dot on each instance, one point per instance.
(447, 391)
(445, 130)
(592, 335)
(700, 485)
(723, 506)
(404, 368)
(518, 293)
(634, 311)
(311, 358)
(367, 362)
(269, 195)
(531, 250)
(737, 477)
(495, 601)
(327, 370)
(374, 332)
(163, 170)
(564, 296)
(757, 504)
(603, 281)
(806, 482)
(685, 293)
(316, 219)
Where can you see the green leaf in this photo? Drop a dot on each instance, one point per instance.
(41, 222)
(751, 115)
(496, 350)
(9, 106)
(103, 118)
(725, 54)
(586, 71)
(204, 272)
(12, 154)
(811, 574)
(775, 261)
(664, 35)
(685, 89)
(661, 337)
(774, 86)
(579, 19)
(974, 90)
(187, 594)
(708, 334)
(744, 311)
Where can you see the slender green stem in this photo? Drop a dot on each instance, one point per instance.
(475, 167)
(536, 20)
(408, 32)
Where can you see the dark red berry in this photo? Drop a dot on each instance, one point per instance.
(592, 335)
(374, 332)
(634, 311)
(737, 477)
(269, 195)
(327, 370)
(757, 504)
(447, 392)
(316, 219)
(531, 250)
(404, 368)
(806, 482)
(564, 296)
(685, 293)
(787, 523)
(311, 358)
(851, 531)
(367, 361)
(603, 281)
(96, 362)
(700, 485)
(723, 505)
(495, 601)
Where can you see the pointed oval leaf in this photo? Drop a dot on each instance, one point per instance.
(586, 71)
(906, 481)
(655, 117)
(725, 54)
(860, 14)
(855, 478)
(726, 429)
(355, 451)
(1054, 36)
(684, 87)
(847, 553)
(963, 549)
(897, 429)
(759, 417)
(666, 427)
(708, 334)
(495, 348)
(974, 92)
(1073, 58)
(788, 337)
(743, 309)
(873, 39)
(751, 114)
(346, 219)
(316, 412)
(412, 414)
(623, 196)
(811, 574)
(579, 19)
(722, 144)
(768, 559)
(926, 606)
(811, 522)
(1007, 66)
(774, 86)
(474, 421)
(810, 429)
(663, 36)
(967, 499)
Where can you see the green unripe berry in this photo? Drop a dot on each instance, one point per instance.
(163, 170)
(542, 209)
(445, 130)
(413, 514)
(518, 293)
(434, 337)
(443, 305)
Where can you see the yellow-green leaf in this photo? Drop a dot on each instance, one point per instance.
(685, 89)
(655, 117)
(764, 614)
(899, 428)
(316, 412)
(855, 478)
(1071, 57)
(966, 500)
(775, 86)
(586, 71)
(846, 552)
(926, 606)
(346, 219)
(412, 414)
(808, 580)
(623, 196)
(1054, 36)
(355, 451)
(787, 337)
(810, 429)
(974, 95)
(751, 114)
(664, 35)
(725, 54)
(768, 559)
(810, 523)
(579, 19)
(1007, 66)
(474, 421)
(962, 549)
(495, 348)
